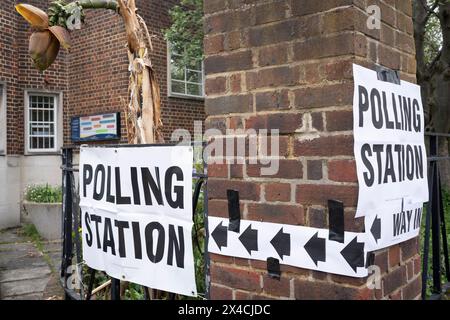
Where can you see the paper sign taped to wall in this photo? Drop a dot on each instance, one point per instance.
(136, 206)
(298, 246)
(389, 144)
(393, 226)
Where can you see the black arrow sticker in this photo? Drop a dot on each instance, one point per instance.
(282, 243)
(316, 248)
(220, 235)
(376, 229)
(353, 253)
(249, 239)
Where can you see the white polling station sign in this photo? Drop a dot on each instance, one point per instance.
(136, 206)
(389, 144)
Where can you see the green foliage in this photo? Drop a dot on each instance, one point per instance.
(30, 231)
(44, 194)
(433, 39)
(446, 205)
(59, 11)
(185, 35)
(134, 292)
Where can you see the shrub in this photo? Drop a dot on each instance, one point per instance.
(44, 194)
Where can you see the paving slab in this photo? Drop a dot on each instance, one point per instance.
(26, 272)
(23, 287)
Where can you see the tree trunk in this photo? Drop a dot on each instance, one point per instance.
(144, 108)
(435, 79)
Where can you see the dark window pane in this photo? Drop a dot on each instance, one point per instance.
(193, 76)
(194, 89)
(178, 87)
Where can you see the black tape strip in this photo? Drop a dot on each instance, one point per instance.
(336, 220)
(387, 75)
(370, 261)
(273, 268)
(234, 211)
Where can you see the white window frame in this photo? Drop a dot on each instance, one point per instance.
(3, 121)
(169, 81)
(58, 121)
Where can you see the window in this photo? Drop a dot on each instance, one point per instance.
(185, 81)
(42, 123)
(2, 119)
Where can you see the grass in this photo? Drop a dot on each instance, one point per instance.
(30, 231)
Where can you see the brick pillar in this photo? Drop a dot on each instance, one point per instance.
(287, 65)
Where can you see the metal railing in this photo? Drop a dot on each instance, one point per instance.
(435, 223)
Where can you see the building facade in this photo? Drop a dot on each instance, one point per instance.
(36, 108)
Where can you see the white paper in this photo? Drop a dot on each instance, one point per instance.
(393, 226)
(381, 190)
(327, 257)
(168, 219)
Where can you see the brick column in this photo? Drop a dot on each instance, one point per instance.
(287, 65)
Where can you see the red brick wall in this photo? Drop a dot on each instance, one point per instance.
(98, 76)
(18, 73)
(93, 76)
(287, 65)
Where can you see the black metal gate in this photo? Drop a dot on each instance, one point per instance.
(74, 271)
(435, 224)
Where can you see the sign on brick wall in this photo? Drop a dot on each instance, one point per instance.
(136, 205)
(96, 127)
(390, 157)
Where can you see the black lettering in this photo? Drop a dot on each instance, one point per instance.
(108, 238)
(363, 106)
(419, 161)
(389, 123)
(119, 198)
(398, 124)
(87, 177)
(99, 195)
(177, 246)
(378, 149)
(137, 240)
(178, 190)
(134, 183)
(87, 223)
(416, 115)
(409, 163)
(147, 180)
(155, 257)
(401, 112)
(389, 171)
(407, 112)
(97, 220)
(368, 176)
(121, 225)
(376, 106)
(397, 223)
(398, 150)
(109, 197)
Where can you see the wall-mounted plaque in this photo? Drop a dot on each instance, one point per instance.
(96, 127)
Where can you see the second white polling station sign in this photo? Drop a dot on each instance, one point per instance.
(136, 210)
(388, 144)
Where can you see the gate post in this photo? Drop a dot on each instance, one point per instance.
(287, 65)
